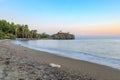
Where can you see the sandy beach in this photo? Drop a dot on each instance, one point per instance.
(90, 71)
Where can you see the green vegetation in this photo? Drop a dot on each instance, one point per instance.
(2, 35)
(44, 35)
(13, 31)
(62, 35)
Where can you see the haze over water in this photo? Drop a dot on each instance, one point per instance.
(101, 51)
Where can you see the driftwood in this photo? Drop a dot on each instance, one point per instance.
(54, 65)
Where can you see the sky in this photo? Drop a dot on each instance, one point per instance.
(79, 17)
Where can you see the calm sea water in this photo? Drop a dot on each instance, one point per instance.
(100, 51)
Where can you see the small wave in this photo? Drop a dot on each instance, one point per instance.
(114, 63)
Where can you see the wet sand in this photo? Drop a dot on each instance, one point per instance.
(99, 72)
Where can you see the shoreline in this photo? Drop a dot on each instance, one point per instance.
(99, 72)
(99, 61)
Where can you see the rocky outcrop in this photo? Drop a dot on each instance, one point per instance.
(62, 36)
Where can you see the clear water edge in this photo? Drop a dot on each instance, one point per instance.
(113, 62)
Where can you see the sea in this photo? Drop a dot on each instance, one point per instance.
(100, 51)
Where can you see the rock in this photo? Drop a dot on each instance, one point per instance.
(62, 36)
(38, 79)
(23, 68)
(54, 65)
(21, 79)
(1, 58)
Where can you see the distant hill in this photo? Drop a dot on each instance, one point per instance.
(62, 36)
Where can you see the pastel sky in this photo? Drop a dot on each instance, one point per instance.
(80, 17)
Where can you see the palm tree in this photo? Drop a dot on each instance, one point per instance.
(16, 31)
(26, 31)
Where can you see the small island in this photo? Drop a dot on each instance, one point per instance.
(17, 31)
(62, 36)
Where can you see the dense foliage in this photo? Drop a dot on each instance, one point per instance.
(12, 31)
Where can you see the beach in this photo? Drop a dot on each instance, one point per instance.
(70, 69)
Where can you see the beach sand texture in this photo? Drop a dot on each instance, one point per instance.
(17, 62)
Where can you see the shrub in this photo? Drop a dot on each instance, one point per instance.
(2, 35)
(10, 36)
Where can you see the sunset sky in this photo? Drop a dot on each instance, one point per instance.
(80, 17)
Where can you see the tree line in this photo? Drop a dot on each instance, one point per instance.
(12, 31)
